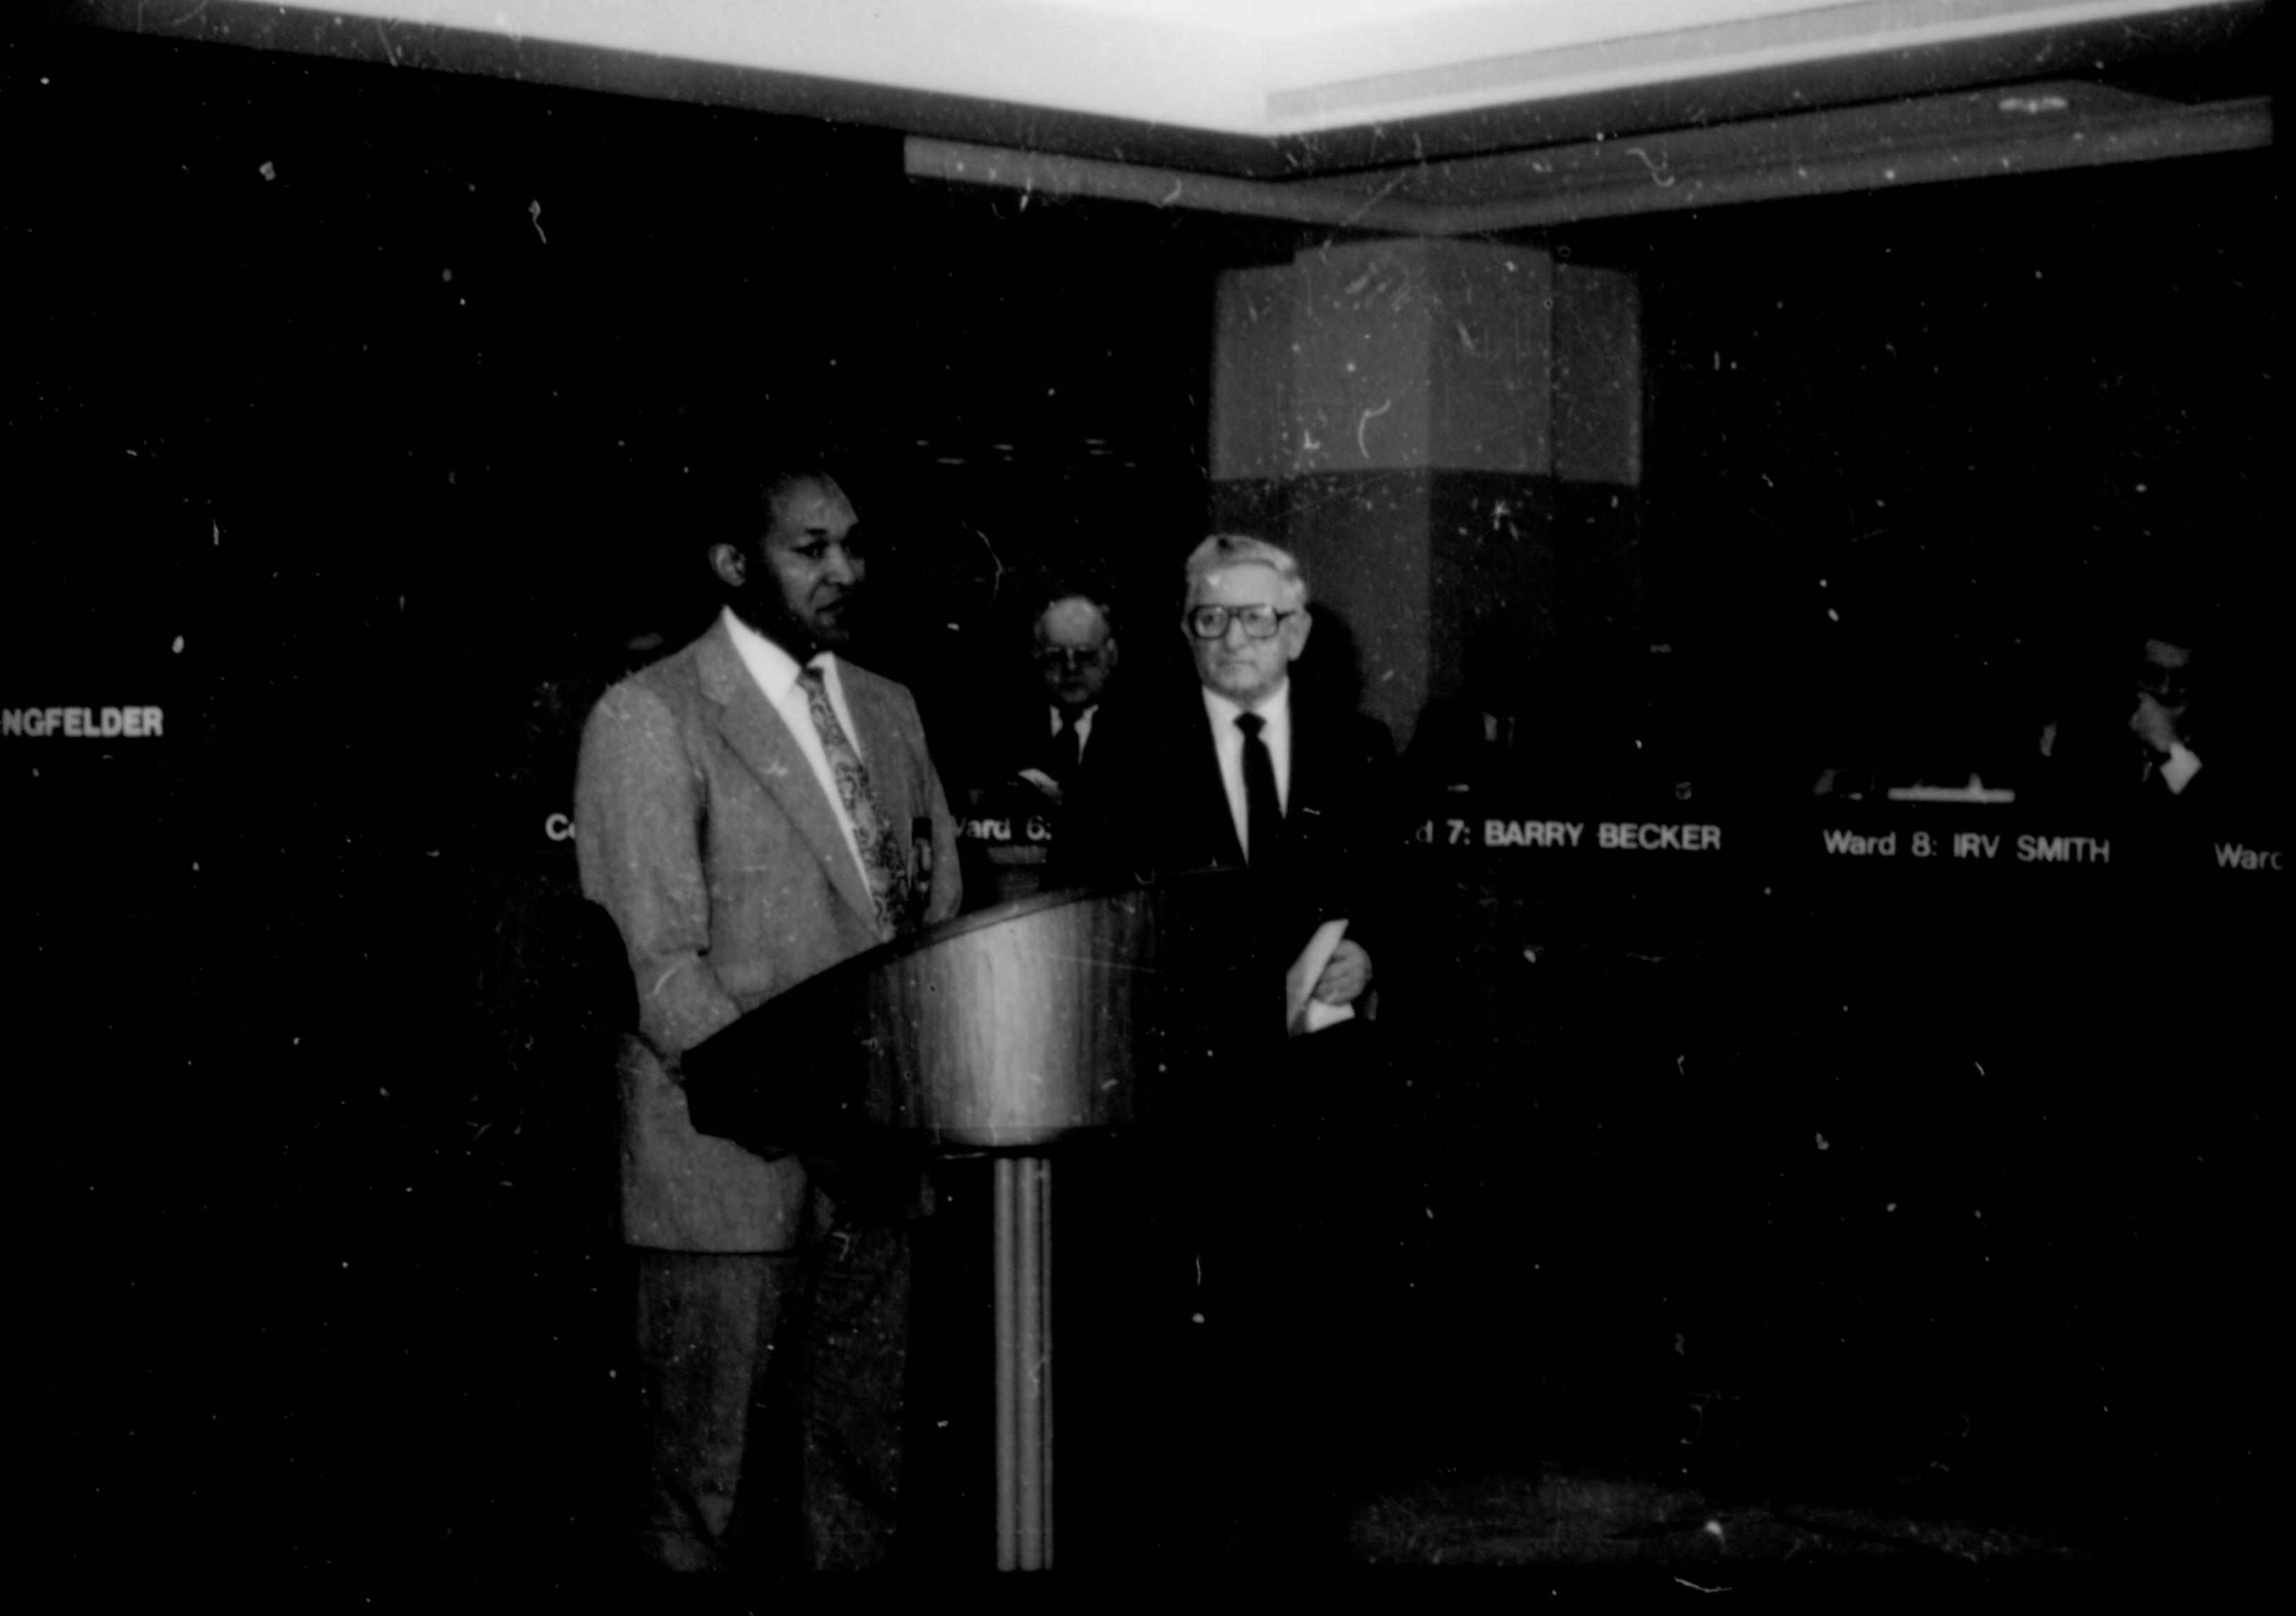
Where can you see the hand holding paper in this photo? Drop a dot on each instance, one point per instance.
(1305, 1013)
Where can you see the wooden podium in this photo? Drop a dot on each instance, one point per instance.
(1002, 1031)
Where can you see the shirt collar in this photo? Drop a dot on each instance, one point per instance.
(773, 668)
(1275, 708)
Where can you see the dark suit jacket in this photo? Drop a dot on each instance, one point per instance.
(702, 828)
(1017, 736)
(1157, 805)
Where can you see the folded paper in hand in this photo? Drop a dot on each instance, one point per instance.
(1303, 1011)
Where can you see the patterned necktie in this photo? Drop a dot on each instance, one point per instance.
(880, 850)
(1263, 811)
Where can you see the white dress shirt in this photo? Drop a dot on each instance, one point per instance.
(1053, 711)
(776, 674)
(1275, 733)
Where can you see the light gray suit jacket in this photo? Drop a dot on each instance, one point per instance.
(702, 830)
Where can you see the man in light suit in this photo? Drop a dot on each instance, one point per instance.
(1241, 770)
(750, 811)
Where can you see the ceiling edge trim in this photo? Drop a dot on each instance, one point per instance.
(959, 163)
(1621, 180)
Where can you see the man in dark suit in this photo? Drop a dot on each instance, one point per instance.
(750, 811)
(1053, 721)
(1237, 774)
(1074, 650)
(1242, 772)
(2159, 752)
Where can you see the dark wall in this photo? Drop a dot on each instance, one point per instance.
(1928, 448)
(1906, 1169)
(369, 474)
(363, 423)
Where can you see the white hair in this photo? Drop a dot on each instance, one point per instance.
(1222, 550)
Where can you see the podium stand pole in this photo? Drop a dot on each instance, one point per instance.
(1003, 1031)
(1024, 1233)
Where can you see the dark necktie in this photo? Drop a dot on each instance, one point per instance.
(1061, 762)
(873, 832)
(1263, 810)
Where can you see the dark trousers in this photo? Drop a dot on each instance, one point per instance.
(1273, 1222)
(1213, 1345)
(771, 1390)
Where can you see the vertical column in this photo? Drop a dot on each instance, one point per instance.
(1021, 1215)
(1036, 1242)
(1448, 434)
(1001, 1223)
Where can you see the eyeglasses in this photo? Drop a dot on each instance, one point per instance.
(1211, 622)
(2169, 686)
(1066, 656)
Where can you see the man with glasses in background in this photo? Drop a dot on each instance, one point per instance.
(2158, 748)
(2164, 701)
(1074, 650)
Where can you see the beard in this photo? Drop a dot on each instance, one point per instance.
(766, 609)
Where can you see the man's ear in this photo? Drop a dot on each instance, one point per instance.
(1108, 654)
(728, 562)
(1297, 627)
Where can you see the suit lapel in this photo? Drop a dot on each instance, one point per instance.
(762, 741)
(1214, 820)
(1313, 757)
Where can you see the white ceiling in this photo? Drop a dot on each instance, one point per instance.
(1266, 68)
(1419, 116)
